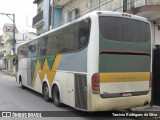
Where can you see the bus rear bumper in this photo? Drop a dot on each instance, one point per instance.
(120, 103)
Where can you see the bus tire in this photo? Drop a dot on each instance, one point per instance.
(56, 96)
(20, 81)
(23, 87)
(46, 92)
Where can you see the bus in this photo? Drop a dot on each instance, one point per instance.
(99, 62)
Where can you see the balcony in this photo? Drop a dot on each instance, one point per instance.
(38, 20)
(149, 9)
(60, 3)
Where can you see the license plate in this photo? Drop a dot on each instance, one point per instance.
(126, 94)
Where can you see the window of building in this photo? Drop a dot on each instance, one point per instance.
(72, 14)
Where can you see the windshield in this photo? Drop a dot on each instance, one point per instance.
(124, 29)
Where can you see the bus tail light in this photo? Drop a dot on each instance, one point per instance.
(96, 83)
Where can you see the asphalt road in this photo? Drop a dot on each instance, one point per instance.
(14, 98)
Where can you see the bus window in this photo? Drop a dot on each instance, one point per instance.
(43, 48)
(124, 29)
(32, 49)
(84, 32)
(23, 51)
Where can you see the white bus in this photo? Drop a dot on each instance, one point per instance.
(99, 62)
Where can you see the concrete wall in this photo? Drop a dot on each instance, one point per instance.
(112, 5)
(46, 15)
(85, 6)
(39, 30)
(82, 5)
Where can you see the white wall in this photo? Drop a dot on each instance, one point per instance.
(157, 36)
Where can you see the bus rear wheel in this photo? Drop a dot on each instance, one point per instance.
(46, 92)
(56, 96)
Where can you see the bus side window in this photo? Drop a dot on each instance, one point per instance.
(23, 51)
(43, 49)
(83, 40)
(84, 32)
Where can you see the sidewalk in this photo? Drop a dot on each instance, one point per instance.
(152, 111)
(9, 72)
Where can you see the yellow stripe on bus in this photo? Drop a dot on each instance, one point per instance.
(124, 77)
(49, 73)
(35, 73)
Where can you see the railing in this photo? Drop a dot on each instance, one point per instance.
(38, 18)
(139, 3)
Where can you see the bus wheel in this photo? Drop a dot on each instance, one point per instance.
(56, 96)
(46, 92)
(20, 81)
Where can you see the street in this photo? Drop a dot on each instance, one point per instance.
(14, 98)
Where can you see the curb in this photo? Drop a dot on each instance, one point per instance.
(9, 73)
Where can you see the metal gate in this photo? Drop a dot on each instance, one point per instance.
(156, 77)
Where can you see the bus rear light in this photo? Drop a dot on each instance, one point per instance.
(95, 83)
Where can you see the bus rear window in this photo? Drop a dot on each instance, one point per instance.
(124, 29)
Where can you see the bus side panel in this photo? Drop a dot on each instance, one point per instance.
(29, 81)
(65, 81)
(71, 72)
(23, 70)
(60, 79)
(76, 62)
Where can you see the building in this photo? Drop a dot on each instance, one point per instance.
(6, 49)
(23, 37)
(63, 11)
(6, 45)
(42, 21)
(38, 19)
(8, 31)
(69, 10)
(149, 9)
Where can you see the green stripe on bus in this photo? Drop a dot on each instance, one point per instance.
(41, 60)
(50, 60)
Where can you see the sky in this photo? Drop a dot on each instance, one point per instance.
(24, 11)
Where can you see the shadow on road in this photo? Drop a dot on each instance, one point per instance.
(71, 112)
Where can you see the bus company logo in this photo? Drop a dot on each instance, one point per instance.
(6, 114)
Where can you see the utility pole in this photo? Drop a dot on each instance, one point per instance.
(13, 20)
